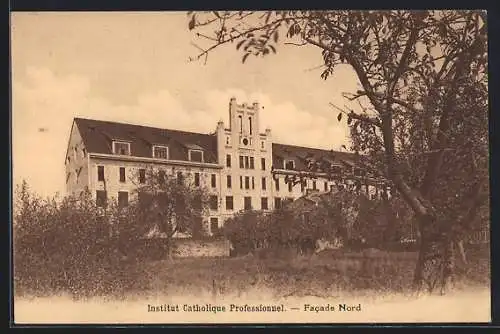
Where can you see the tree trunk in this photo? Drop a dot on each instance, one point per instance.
(461, 249)
(435, 263)
(168, 249)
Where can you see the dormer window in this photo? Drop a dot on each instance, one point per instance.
(289, 164)
(336, 169)
(121, 148)
(160, 152)
(196, 155)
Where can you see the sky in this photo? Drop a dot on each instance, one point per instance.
(134, 67)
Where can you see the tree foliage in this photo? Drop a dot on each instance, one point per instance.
(64, 244)
(422, 116)
(169, 204)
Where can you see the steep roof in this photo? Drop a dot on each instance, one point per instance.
(299, 154)
(98, 136)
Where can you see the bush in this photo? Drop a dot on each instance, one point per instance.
(361, 223)
(68, 245)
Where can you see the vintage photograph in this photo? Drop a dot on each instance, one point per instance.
(250, 167)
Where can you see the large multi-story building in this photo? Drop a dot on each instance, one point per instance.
(242, 167)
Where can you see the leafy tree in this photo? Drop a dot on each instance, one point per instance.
(59, 244)
(422, 121)
(168, 204)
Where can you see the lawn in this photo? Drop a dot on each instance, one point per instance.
(329, 273)
(379, 281)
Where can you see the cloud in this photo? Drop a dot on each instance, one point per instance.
(288, 123)
(45, 100)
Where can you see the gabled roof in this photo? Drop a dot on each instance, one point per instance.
(98, 137)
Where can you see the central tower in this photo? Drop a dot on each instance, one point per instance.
(244, 124)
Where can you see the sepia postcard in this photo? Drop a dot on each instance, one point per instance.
(250, 167)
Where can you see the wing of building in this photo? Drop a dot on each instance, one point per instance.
(238, 164)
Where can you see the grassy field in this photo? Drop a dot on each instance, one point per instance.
(380, 282)
(329, 273)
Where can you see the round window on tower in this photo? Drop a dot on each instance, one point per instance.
(245, 141)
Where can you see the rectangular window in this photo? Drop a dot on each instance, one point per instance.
(121, 148)
(248, 203)
(277, 203)
(314, 185)
(253, 182)
(326, 186)
(252, 163)
(242, 165)
(229, 203)
(277, 184)
(228, 160)
(241, 182)
(214, 225)
(263, 163)
(197, 179)
(264, 185)
(229, 182)
(180, 178)
(160, 152)
(289, 164)
(213, 202)
(122, 174)
(247, 162)
(250, 124)
(196, 155)
(336, 169)
(213, 181)
(122, 199)
(142, 175)
(290, 186)
(263, 203)
(101, 198)
(247, 182)
(240, 118)
(100, 173)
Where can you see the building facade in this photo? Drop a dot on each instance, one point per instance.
(240, 165)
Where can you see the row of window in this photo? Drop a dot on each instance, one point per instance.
(246, 162)
(123, 201)
(102, 198)
(247, 203)
(246, 182)
(142, 176)
(158, 151)
(290, 165)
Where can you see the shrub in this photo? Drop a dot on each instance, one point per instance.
(69, 244)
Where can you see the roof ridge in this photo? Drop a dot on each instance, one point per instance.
(140, 125)
(313, 148)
